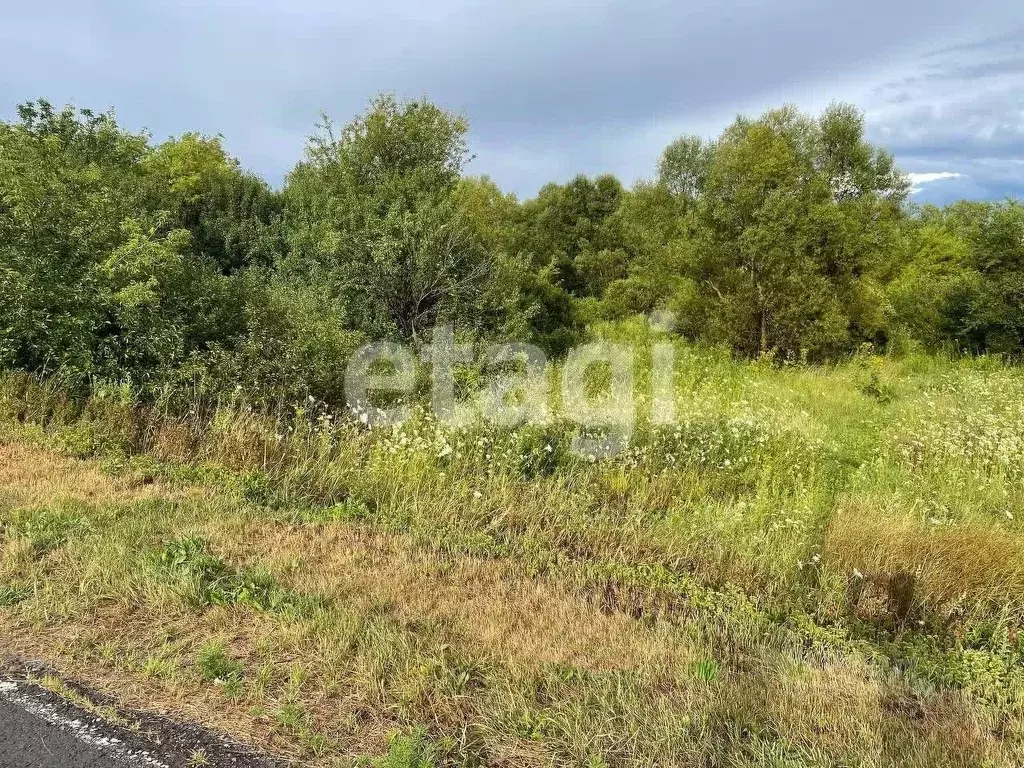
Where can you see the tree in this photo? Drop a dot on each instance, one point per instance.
(931, 297)
(95, 276)
(657, 230)
(964, 283)
(374, 214)
(683, 167)
(566, 226)
(999, 257)
(68, 180)
(570, 236)
(233, 216)
(794, 218)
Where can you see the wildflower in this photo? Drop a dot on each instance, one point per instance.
(548, 448)
(445, 451)
(477, 495)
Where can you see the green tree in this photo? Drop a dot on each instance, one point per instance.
(95, 276)
(162, 305)
(565, 228)
(233, 216)
(993, 232)
(657, 230)
(683, 167)
(374, 215)
(570, 236)
(964, 283)
(931, 297)
(68, 180)
(795, 220)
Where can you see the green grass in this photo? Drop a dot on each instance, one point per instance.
(817, 566)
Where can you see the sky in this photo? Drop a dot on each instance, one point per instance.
(551, 88)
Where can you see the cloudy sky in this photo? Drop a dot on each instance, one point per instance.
(551, 87)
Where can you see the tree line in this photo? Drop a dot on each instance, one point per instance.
(168, 266)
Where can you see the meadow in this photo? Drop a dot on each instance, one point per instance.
(815, 566)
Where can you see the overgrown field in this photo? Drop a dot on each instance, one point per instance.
(817, 566)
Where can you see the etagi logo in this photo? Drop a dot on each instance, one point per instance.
(519, 386)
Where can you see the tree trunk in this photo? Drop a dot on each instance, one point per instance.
(764, 332)
(764, 321)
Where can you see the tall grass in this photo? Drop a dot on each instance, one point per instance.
(841, 540)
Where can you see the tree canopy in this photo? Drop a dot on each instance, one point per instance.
(788, 236)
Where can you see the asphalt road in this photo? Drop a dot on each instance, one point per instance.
(28, 741)
(39, 729)
(35, 733)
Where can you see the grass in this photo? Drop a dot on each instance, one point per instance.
(817, 566)
(104, 712)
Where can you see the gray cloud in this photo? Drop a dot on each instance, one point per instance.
(551, 87)
(962, 112)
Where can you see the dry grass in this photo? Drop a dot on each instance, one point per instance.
(404, 606)
(485, 602)
(31, 476)
(112, 653)
(937, 564)
(854, 713)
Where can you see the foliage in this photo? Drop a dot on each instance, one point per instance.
(411, 750)
(68, 181)
(374, 215)
(234, 218)
(206, 580)
(216, 665)
(170, 269)
(794, 220)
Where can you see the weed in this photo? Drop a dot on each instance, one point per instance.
(215, 665)
(206, 580)
(410, 750)
(46, 529)
(705, 670)
(12, 594)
